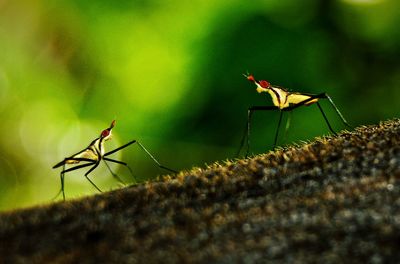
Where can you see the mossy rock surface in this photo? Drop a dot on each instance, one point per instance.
(333, 200)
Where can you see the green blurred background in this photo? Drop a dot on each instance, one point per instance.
(170, 73)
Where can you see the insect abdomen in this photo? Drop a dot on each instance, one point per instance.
(298, 98)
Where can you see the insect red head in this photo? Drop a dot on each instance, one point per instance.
(105, 133)
(264, 84)
(112, 124)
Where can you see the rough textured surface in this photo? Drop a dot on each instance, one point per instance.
(335, 199)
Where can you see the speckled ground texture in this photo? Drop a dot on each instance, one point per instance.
(333, 200)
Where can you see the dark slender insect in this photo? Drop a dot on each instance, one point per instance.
(94, 153)
(284, 101)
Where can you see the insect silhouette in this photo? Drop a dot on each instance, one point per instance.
(284, 101)
(94, 153)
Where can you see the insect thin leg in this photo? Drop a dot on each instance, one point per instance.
(62, 187)
(77, 167)
(113, 174)
(289, 118)
(248, 124)
(122, 163)
(246, 134)
(62, 182)
(249, 115)
(92, 183)
(119, 148)
(321, 96)
(89, 171)
(154, 159)
(62, 177)
(57, 195)
(337, 110)
(277, 129)
(326, 119)
(242, 141)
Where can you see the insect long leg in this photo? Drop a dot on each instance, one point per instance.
(320, 96)
(247, 131)
(277, 129)
(289, 118)
(326, 119)
(249, 115)
(77, 167)
(95, 186)
(113, 174)
(62, 174)
(119, 148)
(242, 140)
(154, 159)
(337, 110)
(62, 186)
(144, 149)
(119, 162)
(89, 171)
(96, 163)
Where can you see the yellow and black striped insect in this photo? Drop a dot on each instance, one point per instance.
(284, 101)
(94, 153)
